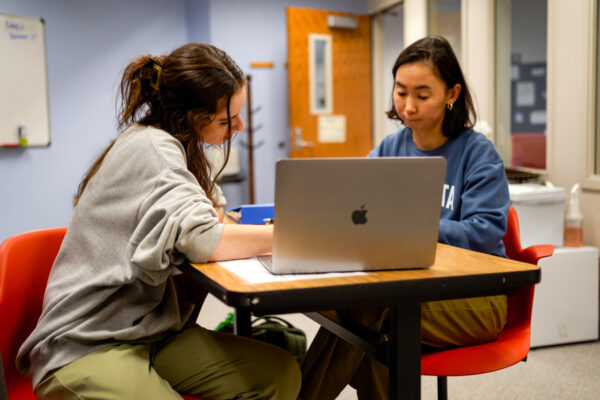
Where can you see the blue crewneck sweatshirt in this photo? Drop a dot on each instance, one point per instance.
(475, 197)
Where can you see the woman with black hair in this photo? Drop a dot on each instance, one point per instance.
(432, 99)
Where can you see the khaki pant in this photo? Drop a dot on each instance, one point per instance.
(196, 361)
(332, 363)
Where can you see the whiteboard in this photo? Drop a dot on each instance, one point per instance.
(24, 115)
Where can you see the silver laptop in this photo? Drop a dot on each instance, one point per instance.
(356, 214)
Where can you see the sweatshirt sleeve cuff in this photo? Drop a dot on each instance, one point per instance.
(204, 245)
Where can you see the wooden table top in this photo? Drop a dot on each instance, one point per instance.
(449, 262)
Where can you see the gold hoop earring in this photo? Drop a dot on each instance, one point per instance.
(450, 106)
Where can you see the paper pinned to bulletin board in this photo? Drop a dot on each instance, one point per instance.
(24, 114)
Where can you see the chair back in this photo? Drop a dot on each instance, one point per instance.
(512, 238)
(512, 344)
(520, 304)
(25, 263)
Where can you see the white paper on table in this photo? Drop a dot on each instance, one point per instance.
(252, 271)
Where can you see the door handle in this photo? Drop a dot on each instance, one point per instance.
(299, 143)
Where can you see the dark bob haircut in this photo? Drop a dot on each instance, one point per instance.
(436, 51)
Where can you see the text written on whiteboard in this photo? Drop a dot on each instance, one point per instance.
(17, 31)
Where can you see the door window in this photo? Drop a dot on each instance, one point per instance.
(521, 82)
(320, 74)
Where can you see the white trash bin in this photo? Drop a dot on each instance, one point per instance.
(541, 211)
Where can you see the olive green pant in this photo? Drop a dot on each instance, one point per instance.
(332, 363)
(196, 361)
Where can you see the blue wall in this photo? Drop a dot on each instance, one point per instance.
(90, 42)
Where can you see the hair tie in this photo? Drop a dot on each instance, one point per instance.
(153, 75)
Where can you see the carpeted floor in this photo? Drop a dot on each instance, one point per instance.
(560, 372)
(566, 372)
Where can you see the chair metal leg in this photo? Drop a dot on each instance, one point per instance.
(442, 386)
(3, 394)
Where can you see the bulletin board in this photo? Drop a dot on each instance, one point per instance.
(24, 111)
(528, 97)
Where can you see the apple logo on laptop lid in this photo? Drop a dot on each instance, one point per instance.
(359, 217)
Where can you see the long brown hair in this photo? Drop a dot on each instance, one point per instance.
(178, 93)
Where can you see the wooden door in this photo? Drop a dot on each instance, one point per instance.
(340, 126)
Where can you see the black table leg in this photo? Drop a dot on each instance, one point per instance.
(404, 351)
(242, 325)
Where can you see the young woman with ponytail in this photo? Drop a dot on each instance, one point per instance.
(115, 324)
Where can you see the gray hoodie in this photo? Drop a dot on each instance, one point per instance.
(141, 214)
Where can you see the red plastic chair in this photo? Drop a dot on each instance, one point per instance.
(512, 344)
(25, 263)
